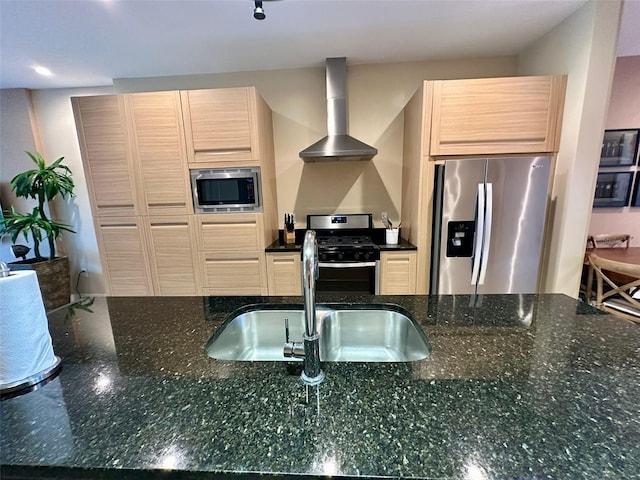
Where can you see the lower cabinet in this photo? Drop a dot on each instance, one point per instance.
(124, 256)
(284, 273)
(398, 272)
(173, 255)
(231, 250)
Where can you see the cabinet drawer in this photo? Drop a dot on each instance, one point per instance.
(228, 233)
(235, 275)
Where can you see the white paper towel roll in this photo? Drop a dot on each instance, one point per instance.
(25, 343)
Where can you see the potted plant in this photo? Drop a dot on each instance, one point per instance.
(43, 183)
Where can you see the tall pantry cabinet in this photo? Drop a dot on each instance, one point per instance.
(471, 117)
(137, 150)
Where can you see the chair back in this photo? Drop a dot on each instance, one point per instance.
(609, 240)
(622, 282)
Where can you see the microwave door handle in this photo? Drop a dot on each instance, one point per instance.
(477, 244)
(486, 236)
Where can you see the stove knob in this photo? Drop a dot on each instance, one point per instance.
(356, 256)
(366, 256)
(323, 256)
(340, 256)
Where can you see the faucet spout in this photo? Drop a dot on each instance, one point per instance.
(312, 374)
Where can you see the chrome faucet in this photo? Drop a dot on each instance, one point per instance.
(312, 373)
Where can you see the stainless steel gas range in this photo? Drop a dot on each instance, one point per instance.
(349, 258)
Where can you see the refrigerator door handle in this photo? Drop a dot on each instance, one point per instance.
(488, 220)
(477, 247)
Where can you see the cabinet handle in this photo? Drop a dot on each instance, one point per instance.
(218, 259)
(115, 205)
(174, 204)
(119, 225)
(169, 224)
(229, 223)
(219, 152)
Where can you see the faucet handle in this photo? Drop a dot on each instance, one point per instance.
(286, 330)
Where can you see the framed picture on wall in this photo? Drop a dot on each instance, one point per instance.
(635, 200)
(613, 189)
(619, 148)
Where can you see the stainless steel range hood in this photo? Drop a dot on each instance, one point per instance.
(337, 145)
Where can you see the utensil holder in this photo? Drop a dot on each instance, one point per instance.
(290, 237)
(391, 236)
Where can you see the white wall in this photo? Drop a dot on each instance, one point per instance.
(58, 133)
(624, 112)
(583, 47)
(18, 133)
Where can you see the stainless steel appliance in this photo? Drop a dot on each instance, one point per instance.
(338, 144)
(226, 190)
(349, 259)
(489, 217)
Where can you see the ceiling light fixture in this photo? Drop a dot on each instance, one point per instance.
(44, 71)
(258, 11)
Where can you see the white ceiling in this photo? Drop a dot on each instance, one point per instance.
(91, 42)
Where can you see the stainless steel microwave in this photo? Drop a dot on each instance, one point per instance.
(226, 190)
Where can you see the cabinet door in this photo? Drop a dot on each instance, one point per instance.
(101, 126)
(234, 273)
(160, 152)
(284, 273)
(173, 255)
(496, 115)
(398, 273)
(220, 125)
(123, 254)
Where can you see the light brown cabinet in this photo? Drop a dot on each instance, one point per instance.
(173, 255)
(398, 272)
(124, 256)
(104, 144)
(221, 126)
(284, 272)
(231, 250)
(159, 150)
(490, 116)
(137, 149)
(496, 115)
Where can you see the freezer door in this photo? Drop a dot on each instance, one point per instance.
(519, 197)
(458, 224)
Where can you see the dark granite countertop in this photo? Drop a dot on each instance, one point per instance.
(516, 387)
(378, 237)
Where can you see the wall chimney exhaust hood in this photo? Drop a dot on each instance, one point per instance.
(337, 145)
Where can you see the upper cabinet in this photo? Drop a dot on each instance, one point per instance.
(221, 126)
(107, 161)
(157, 138)
(497, 115)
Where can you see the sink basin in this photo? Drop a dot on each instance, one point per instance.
(346, 335)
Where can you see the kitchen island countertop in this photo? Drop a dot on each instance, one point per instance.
(517, 386)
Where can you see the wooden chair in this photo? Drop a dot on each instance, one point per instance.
(609, 240)
(623, 282)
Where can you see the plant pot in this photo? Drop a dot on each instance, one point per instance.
(54, 279)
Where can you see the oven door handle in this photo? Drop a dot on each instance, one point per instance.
(346, 264)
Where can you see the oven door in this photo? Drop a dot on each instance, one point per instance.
(349, 277)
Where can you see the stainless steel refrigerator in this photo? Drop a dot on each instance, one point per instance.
(489, 218)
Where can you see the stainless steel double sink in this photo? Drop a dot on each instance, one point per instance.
(381, 333)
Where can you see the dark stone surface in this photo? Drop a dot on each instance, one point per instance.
(517, 386)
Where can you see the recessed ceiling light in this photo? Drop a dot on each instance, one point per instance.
(44, 71)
